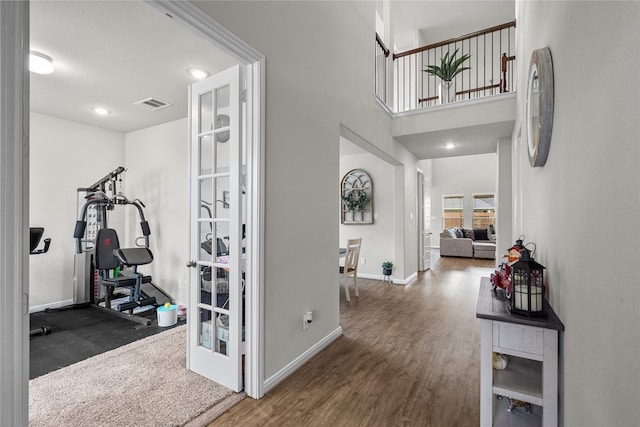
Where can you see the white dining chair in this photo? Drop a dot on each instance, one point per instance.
(350, 268)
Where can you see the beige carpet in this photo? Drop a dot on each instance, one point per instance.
(144, 383)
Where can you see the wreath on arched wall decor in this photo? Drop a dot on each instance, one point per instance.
(356, 195)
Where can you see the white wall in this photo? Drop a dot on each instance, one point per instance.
(378, 238)
(407, 214)
(495, 13)
(64, 156)
(316, 80)
(426, 166)
(157, 163)
(581, 208)
(504, 199)
(463, 175)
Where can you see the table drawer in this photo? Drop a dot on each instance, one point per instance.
(517, 339)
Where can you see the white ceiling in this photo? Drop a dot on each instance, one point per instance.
(466, 140)
(112, 54)
(415, 23)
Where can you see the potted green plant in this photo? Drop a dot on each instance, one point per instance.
(387, 268)
(448, 69)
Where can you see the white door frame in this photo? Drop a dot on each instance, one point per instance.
(420, 219)
(14, 211)
(211, 31)
(14, 197)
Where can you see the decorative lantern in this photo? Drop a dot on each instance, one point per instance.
(527, 286)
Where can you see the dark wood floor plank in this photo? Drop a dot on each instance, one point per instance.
(409, 356)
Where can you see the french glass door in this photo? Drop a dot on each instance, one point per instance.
(217, 211)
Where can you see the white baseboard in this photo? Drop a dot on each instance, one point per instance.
(409, 279)
(301, 360)
(37, 308)
(372, 276)
(406, 281)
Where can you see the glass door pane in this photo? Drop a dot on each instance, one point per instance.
(215, 325)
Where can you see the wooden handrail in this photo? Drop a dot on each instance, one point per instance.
(478, 89)
(464, 92)
(456, 39)
(382, 46)
(504, 60)
(431, 98)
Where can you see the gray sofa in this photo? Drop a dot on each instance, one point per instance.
(459, 242)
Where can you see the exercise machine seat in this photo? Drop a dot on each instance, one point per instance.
(134, 256)
(109, 256)
(35, 235)
(106, 242)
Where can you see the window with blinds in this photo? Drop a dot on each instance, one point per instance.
(453, 211)
(484, 211)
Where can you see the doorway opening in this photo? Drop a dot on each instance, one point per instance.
(383, 234)
(254, 65)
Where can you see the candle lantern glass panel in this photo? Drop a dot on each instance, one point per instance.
(527, 287)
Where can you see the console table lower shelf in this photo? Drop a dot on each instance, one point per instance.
(526, 392)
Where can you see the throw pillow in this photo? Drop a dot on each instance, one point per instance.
(481, 234)
(468, 234)
(446, 233)
(459, 232)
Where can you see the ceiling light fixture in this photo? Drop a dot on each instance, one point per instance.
(100, 111)
(449, 145)
(198, 73)
(40, 63)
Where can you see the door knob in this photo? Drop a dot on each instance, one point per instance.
(191, 263)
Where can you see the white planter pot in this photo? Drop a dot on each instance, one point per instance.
(446, 92)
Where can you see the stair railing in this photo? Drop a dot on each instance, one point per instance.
(382, 69)
(491, 62)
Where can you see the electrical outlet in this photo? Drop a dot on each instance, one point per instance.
(363, 261)
(307, 318)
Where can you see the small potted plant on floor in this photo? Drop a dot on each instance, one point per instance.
(387, 268)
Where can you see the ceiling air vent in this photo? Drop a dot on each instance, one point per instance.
(151, 104)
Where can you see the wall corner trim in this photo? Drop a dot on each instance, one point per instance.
(409, 280)
(283, 373)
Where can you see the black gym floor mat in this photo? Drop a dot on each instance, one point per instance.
(77, 334)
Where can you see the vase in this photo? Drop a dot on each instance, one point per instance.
(446, 92)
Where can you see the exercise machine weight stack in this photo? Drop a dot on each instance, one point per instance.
(85, 289)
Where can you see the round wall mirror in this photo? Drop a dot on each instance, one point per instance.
(539, 106)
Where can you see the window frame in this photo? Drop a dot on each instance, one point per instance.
(491, 219)
(444, 210)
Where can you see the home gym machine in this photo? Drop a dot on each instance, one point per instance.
(105, 275)
(35, 235)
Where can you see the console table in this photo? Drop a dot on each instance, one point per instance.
(532, 374)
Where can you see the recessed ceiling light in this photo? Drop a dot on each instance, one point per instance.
(100, 111)
(198, 73)
(40, 63)
(449, 145)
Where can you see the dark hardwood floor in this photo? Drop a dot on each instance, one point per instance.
(409, 356)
